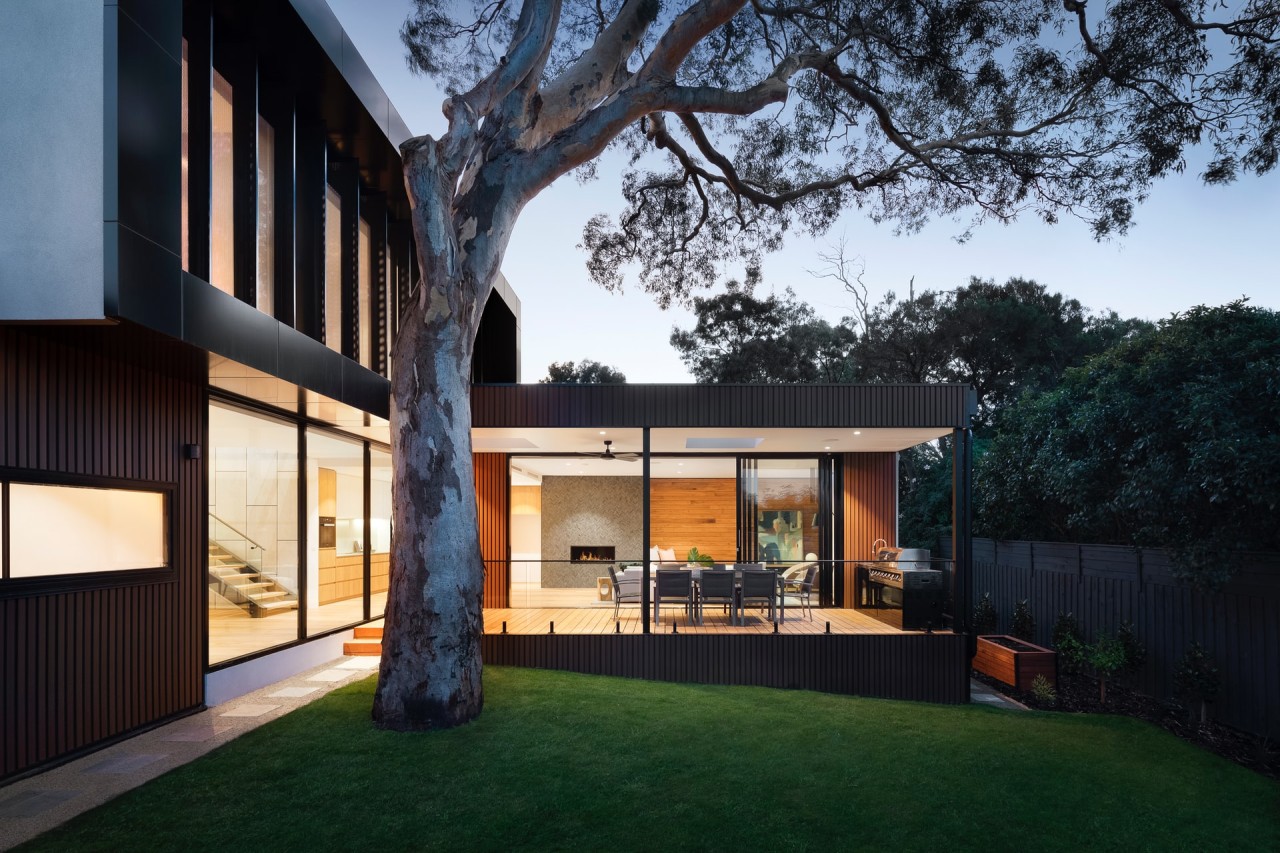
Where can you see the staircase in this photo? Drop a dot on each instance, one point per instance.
(245, 586)
(366, 642)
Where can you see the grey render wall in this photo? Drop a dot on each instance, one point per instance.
(592, 511)
(51, 174)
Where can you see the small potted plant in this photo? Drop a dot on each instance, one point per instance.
(699, 559)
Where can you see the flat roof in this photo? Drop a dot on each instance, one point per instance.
(930, 406)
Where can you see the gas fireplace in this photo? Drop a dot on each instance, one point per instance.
(591, 553)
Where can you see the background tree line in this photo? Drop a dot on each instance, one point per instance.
(1091, 427)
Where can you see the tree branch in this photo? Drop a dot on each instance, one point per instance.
(598, 73)
(530, 43)
(688, 28)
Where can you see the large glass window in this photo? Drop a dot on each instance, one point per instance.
(332, 269)
(337, 539)
(253, 533)
(66, 530)
(365, 282)
(222, 201)
(787, 520)
(266, 217)
(379, 530)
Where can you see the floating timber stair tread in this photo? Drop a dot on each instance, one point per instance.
(362, 648)
(254, 585)
(276, 605)
(235, 576)
(271, 593)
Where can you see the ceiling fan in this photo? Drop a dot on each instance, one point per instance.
(609, 454)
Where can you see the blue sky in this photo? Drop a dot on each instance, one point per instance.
(1191, 245)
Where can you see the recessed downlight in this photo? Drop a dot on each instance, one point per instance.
(857, 432)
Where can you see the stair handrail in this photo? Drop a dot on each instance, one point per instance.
(238, 532)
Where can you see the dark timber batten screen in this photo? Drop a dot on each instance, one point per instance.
(81, 665)
(927, 668)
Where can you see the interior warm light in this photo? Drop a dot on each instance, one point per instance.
(828, 447)
(857, 432)
(602, 432)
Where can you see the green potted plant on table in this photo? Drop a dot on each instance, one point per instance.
(699, 559)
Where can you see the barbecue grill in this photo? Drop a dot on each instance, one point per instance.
(901, 588)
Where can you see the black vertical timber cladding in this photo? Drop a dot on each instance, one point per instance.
(400, 247)
(236, 62)
(935, 406)
(920, 667)
(83, 665)
(344, 176)
(309, 201)
(373, 208)
(276, 105)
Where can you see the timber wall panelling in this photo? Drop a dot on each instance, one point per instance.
(694, 513)
(870, 505)
(79, 664)
(491, 505)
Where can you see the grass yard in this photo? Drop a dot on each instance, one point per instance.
(570, 762)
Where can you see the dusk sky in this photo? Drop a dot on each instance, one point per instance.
(1191, 245)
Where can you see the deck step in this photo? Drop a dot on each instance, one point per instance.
(362, 648)
(368, 633)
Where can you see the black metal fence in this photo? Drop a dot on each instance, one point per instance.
(1105, 585)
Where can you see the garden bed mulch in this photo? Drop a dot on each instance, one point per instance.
(1078, 694)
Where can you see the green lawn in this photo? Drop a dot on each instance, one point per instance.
(570, 762)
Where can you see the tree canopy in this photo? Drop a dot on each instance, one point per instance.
(739, 337)
(778, 115)
(1004, 339)
(585, 372)
(1169, 439)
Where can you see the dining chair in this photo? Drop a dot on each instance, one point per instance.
(717, 586)
(673, 585)
(625, 590)
(759, 587)
(798, 592)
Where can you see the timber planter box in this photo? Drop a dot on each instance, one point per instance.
(1013, 661)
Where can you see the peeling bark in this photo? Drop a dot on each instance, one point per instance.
(430, 671)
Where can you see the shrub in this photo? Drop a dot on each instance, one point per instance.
(1107, 658)
(1024, 624)
(1072, 652)
(1135, 654)
(1042, 691)
(1196, 678)
(984, 615)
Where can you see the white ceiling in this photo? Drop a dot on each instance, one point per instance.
(521, 442)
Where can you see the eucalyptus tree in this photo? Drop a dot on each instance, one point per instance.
(743, 120)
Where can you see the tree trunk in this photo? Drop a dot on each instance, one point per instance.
(430, 671)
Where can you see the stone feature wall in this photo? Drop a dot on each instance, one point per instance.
(591, 511)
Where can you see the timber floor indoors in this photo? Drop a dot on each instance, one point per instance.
(594, 620)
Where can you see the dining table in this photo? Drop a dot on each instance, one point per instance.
(696, 572)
